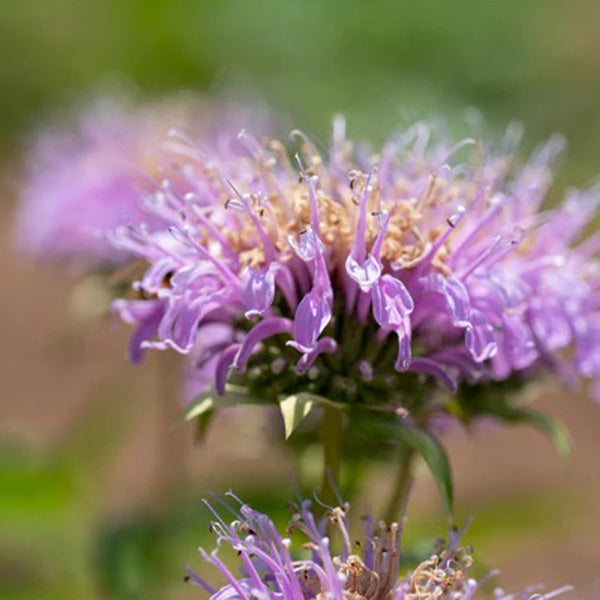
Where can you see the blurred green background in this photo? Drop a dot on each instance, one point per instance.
(98, 498)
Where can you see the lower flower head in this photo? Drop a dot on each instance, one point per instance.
(303, 565)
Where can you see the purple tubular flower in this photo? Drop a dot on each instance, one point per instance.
(455, 259)
(210, 360)
(392, 304)
(264, 329)
(258, 290)
(268, 571)
(146, 316)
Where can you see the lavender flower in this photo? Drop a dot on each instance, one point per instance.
(277, 567)
(314, 269)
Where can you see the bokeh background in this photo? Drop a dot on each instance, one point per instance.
(99, 491)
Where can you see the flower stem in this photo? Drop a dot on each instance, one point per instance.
(171, 467)
(399, 497)
(332, 427)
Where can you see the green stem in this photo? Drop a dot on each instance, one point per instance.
(172, 443)
(332, 427)
(404, 477)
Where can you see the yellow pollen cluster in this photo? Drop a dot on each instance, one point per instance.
(285, 211)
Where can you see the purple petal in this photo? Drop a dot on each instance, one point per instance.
(422, 364)
(551, 325)
(200, 378)
(366, 273)
(212, 338)
(455, 294)
(264, 329)
(458, 301)
(460, 359)
(391, 302)
(404, 357)
(501, 366)
(327, 345)
(312, 316)
(480, 337)
(223, 365)
(518, 341)
(287, 285)
(314, 311)
(146, 314)
(179, 325)
(587, 352)
(306, 247)
(197, 580)
(258, 290)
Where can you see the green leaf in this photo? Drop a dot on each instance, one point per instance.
(199, 406)
(555, 431)
(419, 440)
(203, 422)
(434, 455)
(480, 402)
(209, 401)
(295, 408)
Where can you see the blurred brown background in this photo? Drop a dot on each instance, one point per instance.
(99, 493)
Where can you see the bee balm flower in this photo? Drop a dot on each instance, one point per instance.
(273, 566)
(358, 269)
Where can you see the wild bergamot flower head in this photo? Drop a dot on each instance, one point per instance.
(341, 274)
(306, 563)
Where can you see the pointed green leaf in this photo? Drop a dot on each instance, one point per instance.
(421, 441)
(483, 401)
(434, 455)
(208, 401)
(294, 409)
(202, 423)
(199, 406)
(552, 428)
